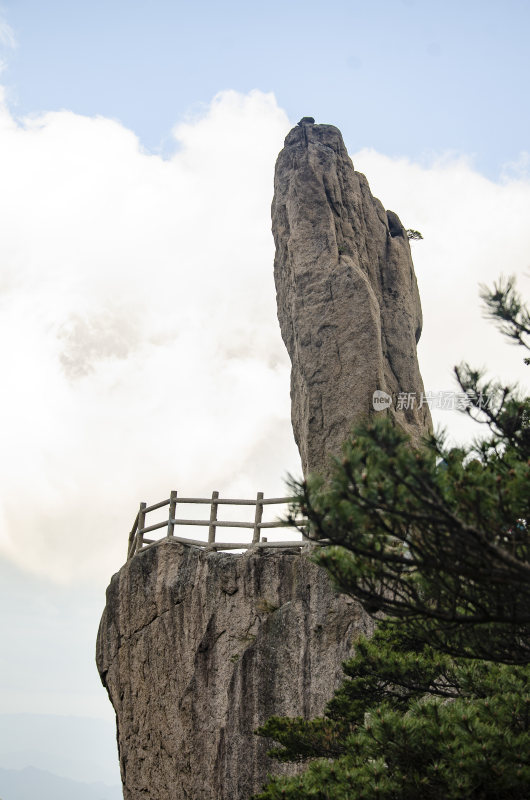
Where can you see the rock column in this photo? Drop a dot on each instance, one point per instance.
(347, 296)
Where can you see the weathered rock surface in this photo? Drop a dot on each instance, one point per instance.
(197, 649)
(348, 301)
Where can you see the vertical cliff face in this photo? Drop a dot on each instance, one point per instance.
(197, 649)
(348, 302)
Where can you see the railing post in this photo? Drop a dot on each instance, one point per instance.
(172, 512)
(213, 518)
(257, 518)
(131, 544)
(141, 525)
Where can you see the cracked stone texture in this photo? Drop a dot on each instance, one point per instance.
(197, 649)
(347, 296)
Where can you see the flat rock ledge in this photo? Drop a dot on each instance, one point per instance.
(197, 649)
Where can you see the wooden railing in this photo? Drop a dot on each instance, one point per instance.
(138, 540)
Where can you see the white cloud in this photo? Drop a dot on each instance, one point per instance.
(138, 332)
(518, 169)
(139, 344)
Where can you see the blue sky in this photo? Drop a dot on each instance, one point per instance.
(403, 76)
(139, 343)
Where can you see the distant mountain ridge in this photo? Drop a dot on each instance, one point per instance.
(31, 783)
(81, 749)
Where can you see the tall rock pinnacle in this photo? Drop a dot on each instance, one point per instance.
(348, 301)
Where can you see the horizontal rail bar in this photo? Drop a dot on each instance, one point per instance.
(217, 523)
(154, 527)
(196, 542)
(250, 545)
(222, 524)
(221, 501)
(267, 501)
(297, 543)
(280, 523)
(224, 545)
(161, 504)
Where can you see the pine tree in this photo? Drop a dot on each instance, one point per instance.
(436, 705)
(410, 723)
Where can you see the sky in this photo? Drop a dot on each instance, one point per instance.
(139, 343)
